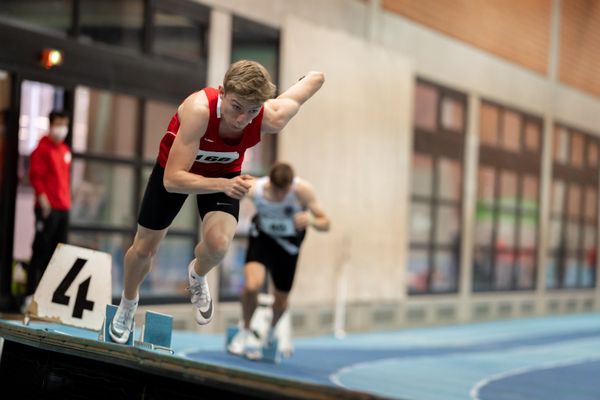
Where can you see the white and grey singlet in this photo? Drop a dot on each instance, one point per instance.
(276, 219)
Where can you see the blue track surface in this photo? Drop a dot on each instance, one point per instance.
(541, 358)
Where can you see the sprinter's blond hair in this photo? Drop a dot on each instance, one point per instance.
(249, 80)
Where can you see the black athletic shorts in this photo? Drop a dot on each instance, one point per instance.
(159, 207)
(280, 264)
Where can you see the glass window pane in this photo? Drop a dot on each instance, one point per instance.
(506, 230)
(511, 130)
(503, 274)
(420, 223)
(168, 276)
(116, 244)
(574, 201)
(255, 41)
(551, 273)
(589, 241)
(588, 276)
(525, 271)
(157, 118)
(102, 194)
(484, 226)
(577, 150)
(482, 271)
(558, 197)
(561, 145)
(453, 114)
(532, 136)
(37, 100)
(556, 234)
(591, 204)
(267, 54)
(445, 275)
(530, 193)
(592, 154)
(115, 22)
(528, 230)
(450, 176)
(573, 232)
(179, 36)
(508, 189)
(489, 124)
(570, 277)
(105, 123)
(422, 175)
(52, 14)
(426, 102)
(418, 271)
(485, 202)
(231, 271)
(485, 185)
(447, 225)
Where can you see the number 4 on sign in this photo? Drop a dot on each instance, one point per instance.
(75, 288)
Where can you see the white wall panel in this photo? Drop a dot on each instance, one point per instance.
(352, 140)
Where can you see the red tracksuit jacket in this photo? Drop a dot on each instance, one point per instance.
(49, 172)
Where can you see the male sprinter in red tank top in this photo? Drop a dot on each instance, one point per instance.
(202, 154)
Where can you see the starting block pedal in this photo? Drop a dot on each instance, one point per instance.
(269, 351)
(157, 332)
(231, 332)
(111, 310)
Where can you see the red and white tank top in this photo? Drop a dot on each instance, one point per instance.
(215, 158)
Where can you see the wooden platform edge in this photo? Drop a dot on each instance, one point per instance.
(174, 366)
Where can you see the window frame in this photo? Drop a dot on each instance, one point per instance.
(522, 163)
(439, 144)
(585, 177)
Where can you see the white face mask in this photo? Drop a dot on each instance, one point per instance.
(59, 132)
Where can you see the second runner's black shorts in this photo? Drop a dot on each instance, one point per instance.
(280, 264)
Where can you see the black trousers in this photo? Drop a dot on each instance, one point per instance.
(49, 232)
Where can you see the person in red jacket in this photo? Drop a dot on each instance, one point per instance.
(202, 154)
(49, 174)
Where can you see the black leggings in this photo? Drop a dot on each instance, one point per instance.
(49, 232)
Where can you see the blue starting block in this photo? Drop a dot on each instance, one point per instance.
(231, 332)
(270, 351)
(111, 310)
(156, 331)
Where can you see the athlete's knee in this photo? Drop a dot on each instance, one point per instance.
(217, 244)
(143, 249)
(252, 287)
(145, 243)
(254, 275)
